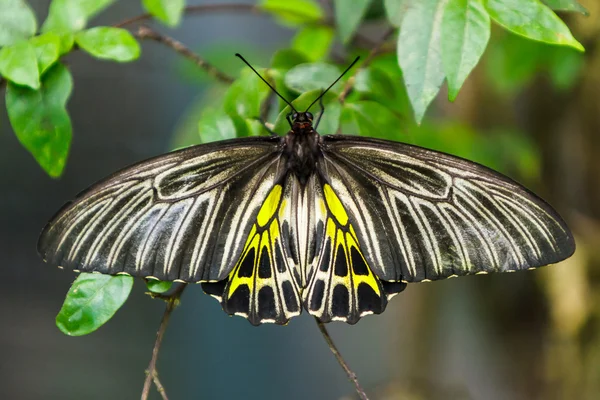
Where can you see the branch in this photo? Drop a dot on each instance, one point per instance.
(340, 359)
(2, 82)
(201, 9)
(159, 387)
(146, 33)
(374, 52)
(151, 374)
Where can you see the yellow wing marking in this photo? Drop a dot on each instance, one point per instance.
(335, 205)
(270, 206)
(261, 286)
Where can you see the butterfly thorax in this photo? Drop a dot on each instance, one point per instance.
(302, 148)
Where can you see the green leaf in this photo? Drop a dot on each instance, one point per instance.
(383, 85)
(216, 125)
(305, 77)
(369, 118)
(18, 64)
(419, 54)
(91, 301)
(40, 119)
(566, 5)
(167, 11)
(314, 42)
(533, 20)
(396, 9)
(287, 58)
(47, 50)
(348, 15)
(245, 96)
(156, 286)
(329, 121)
(294, 12)
(17, 21)
(72, 15)
(465, 35)
(109, 43)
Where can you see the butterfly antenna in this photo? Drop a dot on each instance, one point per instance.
(264, 80)
(336, 81)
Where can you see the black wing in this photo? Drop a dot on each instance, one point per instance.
(425, 215)
(181, 216)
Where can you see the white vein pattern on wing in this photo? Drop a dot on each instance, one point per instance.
(88, 229)
(450, 230)
(175, 238)
(212, 209)
(462, 189)
(106, 193)
(482, 232)
(116, 219)
(432, 246)
(381, 175)
(144, 249)
(88, 209)
(79, 218)
(525, 233)
(424, 234)
(511, 196)
(530, 215)
(383, 193)
(446, 209)
(407, 250)
(467, 187)
(126, 232)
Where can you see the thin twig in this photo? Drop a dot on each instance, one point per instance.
(198, 9)
(159, 387)
(340, 359)
(151, 374)
(144, 32)
(374, 52)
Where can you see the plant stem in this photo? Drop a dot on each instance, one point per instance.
(144, 32)
(341, 361)
(352, 80)
(151, 374)
(159, 387)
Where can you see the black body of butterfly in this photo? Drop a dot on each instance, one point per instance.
(333, 224)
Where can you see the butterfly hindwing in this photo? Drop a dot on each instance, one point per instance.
(341, 286)
(262, 286)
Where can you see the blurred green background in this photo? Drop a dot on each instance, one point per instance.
(529, 110)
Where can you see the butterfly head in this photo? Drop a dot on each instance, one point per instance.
(301, 121)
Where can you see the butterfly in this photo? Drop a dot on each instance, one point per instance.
(332, 224)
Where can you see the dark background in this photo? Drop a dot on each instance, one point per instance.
(515, 336)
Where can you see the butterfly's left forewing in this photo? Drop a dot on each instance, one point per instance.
(182, 216)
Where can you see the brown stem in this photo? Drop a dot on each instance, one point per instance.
(204, 8)
(151, 374)
(159, 387)
(146, 33)
(2, 82)
(374, 52)
(341, 361)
